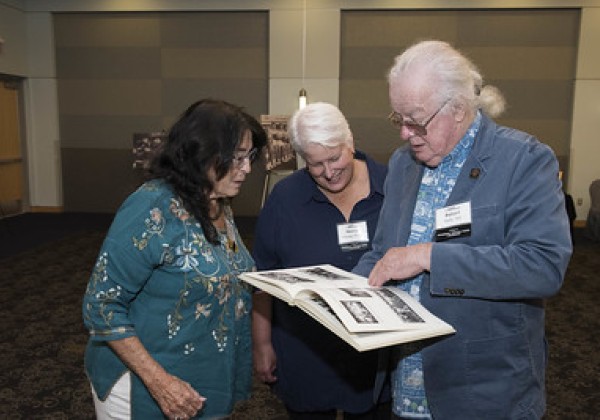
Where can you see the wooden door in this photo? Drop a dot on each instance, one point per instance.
(11, 159)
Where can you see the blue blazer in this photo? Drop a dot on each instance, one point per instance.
(492, 284)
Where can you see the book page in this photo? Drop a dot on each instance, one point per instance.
(293, 281)
(359, 307)
(363, 341)
(368, 309)
(364, 316)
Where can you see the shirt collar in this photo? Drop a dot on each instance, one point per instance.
(462, 149)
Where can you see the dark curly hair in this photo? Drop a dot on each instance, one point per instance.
(205, 136)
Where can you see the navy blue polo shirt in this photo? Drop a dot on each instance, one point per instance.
(298, 227)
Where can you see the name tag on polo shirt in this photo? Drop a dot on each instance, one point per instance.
(353, 236)
(453, 222)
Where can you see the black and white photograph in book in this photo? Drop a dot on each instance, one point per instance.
(400, 307)
(358, 307)
(286, 277)
(355, 292)
(359, 312)
(324, 273)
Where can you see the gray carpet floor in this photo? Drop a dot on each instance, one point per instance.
(45, 261)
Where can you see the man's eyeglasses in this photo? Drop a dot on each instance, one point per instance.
(418, 129)
(240, 158)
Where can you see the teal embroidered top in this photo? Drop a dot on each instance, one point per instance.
(158, 278)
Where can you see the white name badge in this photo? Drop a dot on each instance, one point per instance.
(453, 221)
(353, 236)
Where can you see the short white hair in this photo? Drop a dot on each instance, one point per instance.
(319, 123)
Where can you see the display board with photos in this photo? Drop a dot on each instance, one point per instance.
(145, 145)
(279, 150)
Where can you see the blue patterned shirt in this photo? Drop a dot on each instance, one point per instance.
(436, 185)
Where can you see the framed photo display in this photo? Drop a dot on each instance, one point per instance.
(279, 149)
(145, 146)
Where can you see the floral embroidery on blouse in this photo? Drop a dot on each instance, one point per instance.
(155, 224)
(178, 210)
(186, 257)
(200, 265)
(104, 297)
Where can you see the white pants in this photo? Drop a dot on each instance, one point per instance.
(117, 405)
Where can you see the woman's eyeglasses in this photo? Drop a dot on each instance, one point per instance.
(398, 122)
(239, 159)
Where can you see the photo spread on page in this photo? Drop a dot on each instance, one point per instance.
(348, 306)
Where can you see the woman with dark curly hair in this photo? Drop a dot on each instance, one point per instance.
(169, 319)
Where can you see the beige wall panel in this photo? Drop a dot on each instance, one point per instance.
(585, 148)
(539, 99)
(97, 180)
(115, 81)
(109, 97)
(322, 44)
(367, 62)
(188, 63)
(380, 140)
(43, 143)
(551, 132)
(390, 28)
(373, 63)
(588, 66)
(41, 51)
(373, 94)
(528, 63)
(107, 30)
(85, 190)
(320, 90)
(105, 131)
(517, 28)
(283, 93)
(524, 63)
(178, 94)
(13, 24)
(376, 139)
(108, 63)
(248, 201)
(286, 47)
(214, 29)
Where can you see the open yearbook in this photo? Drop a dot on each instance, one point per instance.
(365, 317)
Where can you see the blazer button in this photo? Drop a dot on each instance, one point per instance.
(454, 292)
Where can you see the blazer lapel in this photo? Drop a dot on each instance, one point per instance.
(412, 174)
(474, 169)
